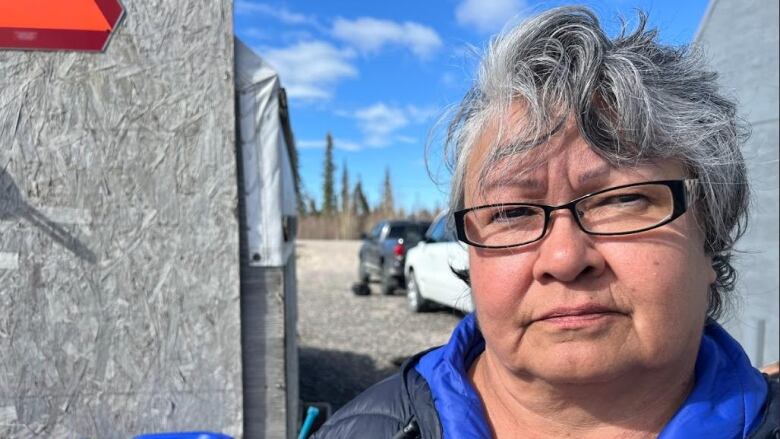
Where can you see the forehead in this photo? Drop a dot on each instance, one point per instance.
(503, 157)
(504, 151)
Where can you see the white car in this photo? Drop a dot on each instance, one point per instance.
(429, 270)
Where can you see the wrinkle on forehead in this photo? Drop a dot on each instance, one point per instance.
(508, 153)
(503, 157)
(581, 171)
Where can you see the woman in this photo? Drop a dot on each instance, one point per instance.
(600, 188)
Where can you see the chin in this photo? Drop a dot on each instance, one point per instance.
(579, 366)
(583, 375)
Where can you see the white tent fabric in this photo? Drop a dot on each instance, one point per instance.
(269, 188)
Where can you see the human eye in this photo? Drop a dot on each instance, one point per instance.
(508, 214)
(628, 200)
(624, 199)
(626, 209)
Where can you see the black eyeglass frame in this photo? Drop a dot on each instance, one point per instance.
(680, 203)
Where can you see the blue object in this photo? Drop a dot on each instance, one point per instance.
(184, 435)
(311, 415)
(727, 399)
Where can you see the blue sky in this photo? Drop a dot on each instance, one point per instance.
(378, 75)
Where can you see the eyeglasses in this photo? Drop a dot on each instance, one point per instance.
(620, 210)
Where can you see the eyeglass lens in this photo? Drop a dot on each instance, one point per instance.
(621, 210)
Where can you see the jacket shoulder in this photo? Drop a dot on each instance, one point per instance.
(380, 411)
(769, 428)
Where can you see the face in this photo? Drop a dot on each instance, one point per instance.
(579, 308)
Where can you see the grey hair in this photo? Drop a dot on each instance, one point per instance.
(633, 99)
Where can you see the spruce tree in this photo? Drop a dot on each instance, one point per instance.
(328, 193)
(387, 194)
(345, 202)
(359, 203)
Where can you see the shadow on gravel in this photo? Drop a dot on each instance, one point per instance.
(336, 376)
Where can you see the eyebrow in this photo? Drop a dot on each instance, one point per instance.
(514, 183)
(533, 183)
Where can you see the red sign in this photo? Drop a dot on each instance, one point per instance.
(82, 25)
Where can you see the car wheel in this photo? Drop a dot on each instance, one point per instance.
(363, 276)
(389, 283)
(360, 289)
(414, 300)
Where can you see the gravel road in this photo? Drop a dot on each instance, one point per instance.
(347, 342)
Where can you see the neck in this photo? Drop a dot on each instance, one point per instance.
(634, 406)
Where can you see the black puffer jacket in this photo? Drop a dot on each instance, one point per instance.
(401, 407)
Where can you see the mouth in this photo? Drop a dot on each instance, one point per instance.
(574, 317)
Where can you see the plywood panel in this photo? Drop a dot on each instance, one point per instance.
(118, 233)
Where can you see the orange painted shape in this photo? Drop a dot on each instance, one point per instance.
(53, 14)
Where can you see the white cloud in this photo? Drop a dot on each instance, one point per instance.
(346, 145)
(246, 7)
(487, 15)
(420, 114)
(309, 144)
(381, 125)
(309, 70)
(306, 92)
(379, 122)
(371, 34)
(343, 144)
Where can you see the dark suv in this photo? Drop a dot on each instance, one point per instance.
(383, 251)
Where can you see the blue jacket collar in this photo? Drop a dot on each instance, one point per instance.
(728, 398)
(726, 402)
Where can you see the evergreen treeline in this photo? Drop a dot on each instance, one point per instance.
(347, 213)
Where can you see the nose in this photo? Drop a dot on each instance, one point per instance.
(566, 253)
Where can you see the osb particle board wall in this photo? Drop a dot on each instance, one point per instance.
(118, 233)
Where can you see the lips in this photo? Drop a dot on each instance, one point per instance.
(576, 311)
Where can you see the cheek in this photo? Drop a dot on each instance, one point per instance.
(664, 287)
(498, 283)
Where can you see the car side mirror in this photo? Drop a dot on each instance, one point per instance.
(363, 236)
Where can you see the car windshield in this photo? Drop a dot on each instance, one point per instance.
(410, 233)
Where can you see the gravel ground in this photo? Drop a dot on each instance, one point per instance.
(348, 342)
